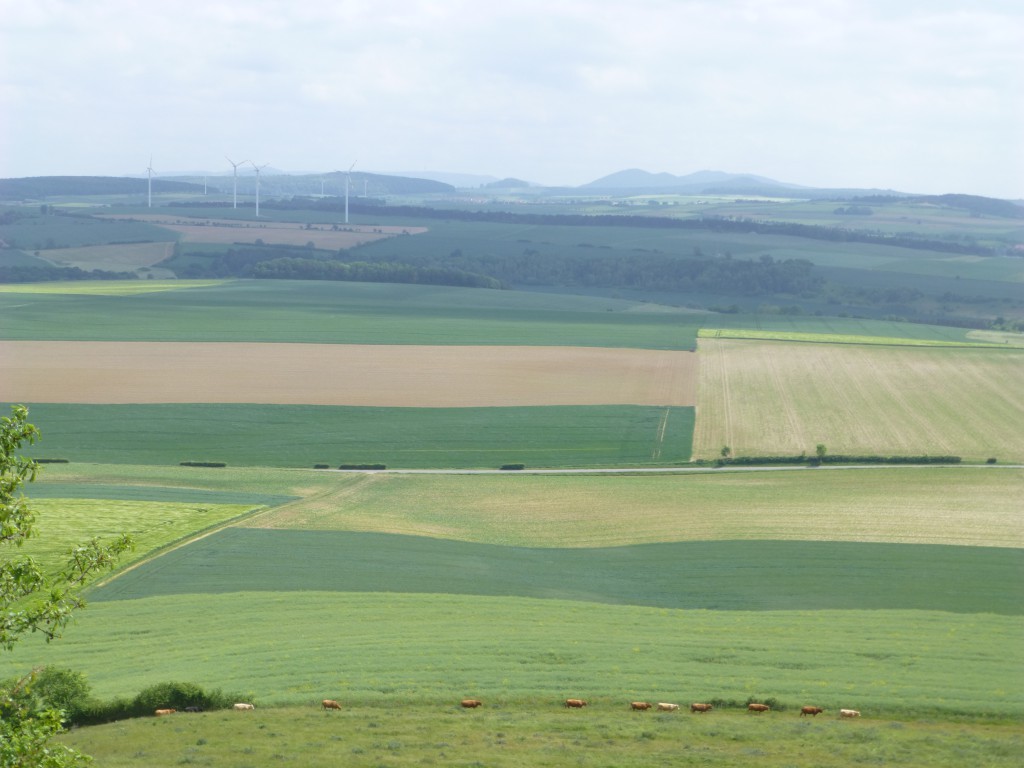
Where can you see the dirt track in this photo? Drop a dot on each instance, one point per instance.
(328, 374)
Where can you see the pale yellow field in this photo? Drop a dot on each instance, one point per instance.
(114, 258)
(337, 374)
(975, 506)
(107, 287)
(227, 231)
(779, 398)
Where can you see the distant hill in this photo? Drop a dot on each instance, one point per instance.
(462, 180)
(635, 178)
(42, 187)
(979, 206)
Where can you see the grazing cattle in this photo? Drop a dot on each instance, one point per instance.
(241, 707)
(575, 703)
(702, 708)
(162, 712)
(849, 713)
(639, 706)
(666, 707)
(812, 711)
(758, 707)
(193, 709)
(471, 703)
(330, 704)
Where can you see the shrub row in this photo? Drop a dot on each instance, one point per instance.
(815, 461)
(513, 466)
(363, 466)
(67, 690)
(161, 696)
(51, 461)
(203, 464)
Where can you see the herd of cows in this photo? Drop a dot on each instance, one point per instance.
(636, 706)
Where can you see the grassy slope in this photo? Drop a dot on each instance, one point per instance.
(382, 647)
(302, 436)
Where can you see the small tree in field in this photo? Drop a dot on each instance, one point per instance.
(821, 450)
(32, 600)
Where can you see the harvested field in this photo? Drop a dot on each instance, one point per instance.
(114, 258)
(227, 231)
(974, 506)
(337, 374)
(775, 398)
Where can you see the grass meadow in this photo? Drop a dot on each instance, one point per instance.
(537, 734)
(775, 398)
(303, 436)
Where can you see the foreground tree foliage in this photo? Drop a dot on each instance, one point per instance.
(32, 600)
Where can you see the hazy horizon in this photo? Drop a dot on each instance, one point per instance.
(921, 96)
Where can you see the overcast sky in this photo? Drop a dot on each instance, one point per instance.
(914, 95)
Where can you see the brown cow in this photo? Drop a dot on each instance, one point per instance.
(666, 707)
(329, 704)
(471, 703)
(849, 713)
(639, 706)
(758, 708)
(702, 708)
(575, 703)
(812, 711)
(162, 712)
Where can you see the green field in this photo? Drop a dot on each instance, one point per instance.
(380, 647)
(711, 575)
(303, 436)
(63, 523)
(346, 313)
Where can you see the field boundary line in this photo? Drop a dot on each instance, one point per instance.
(839, 338)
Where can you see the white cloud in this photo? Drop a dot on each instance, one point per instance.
(831, 92)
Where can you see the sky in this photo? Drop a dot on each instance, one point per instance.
(922, 96)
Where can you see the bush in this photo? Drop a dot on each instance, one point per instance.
(321, 466)
(172, 695)
(202, 464)
(990, 460)
(512, 466)
(363, 466)
(51, 461)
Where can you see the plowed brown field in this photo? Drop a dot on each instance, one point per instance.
(337, 374)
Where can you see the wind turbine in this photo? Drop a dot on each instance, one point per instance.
(258, 169)
(149, 183)
(348, 183)
(235, 165)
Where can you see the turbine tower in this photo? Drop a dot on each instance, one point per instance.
(234, 195)
(258, 169)
(149, 183)
(348, 183)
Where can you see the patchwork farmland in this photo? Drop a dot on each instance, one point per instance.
(893, 590)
